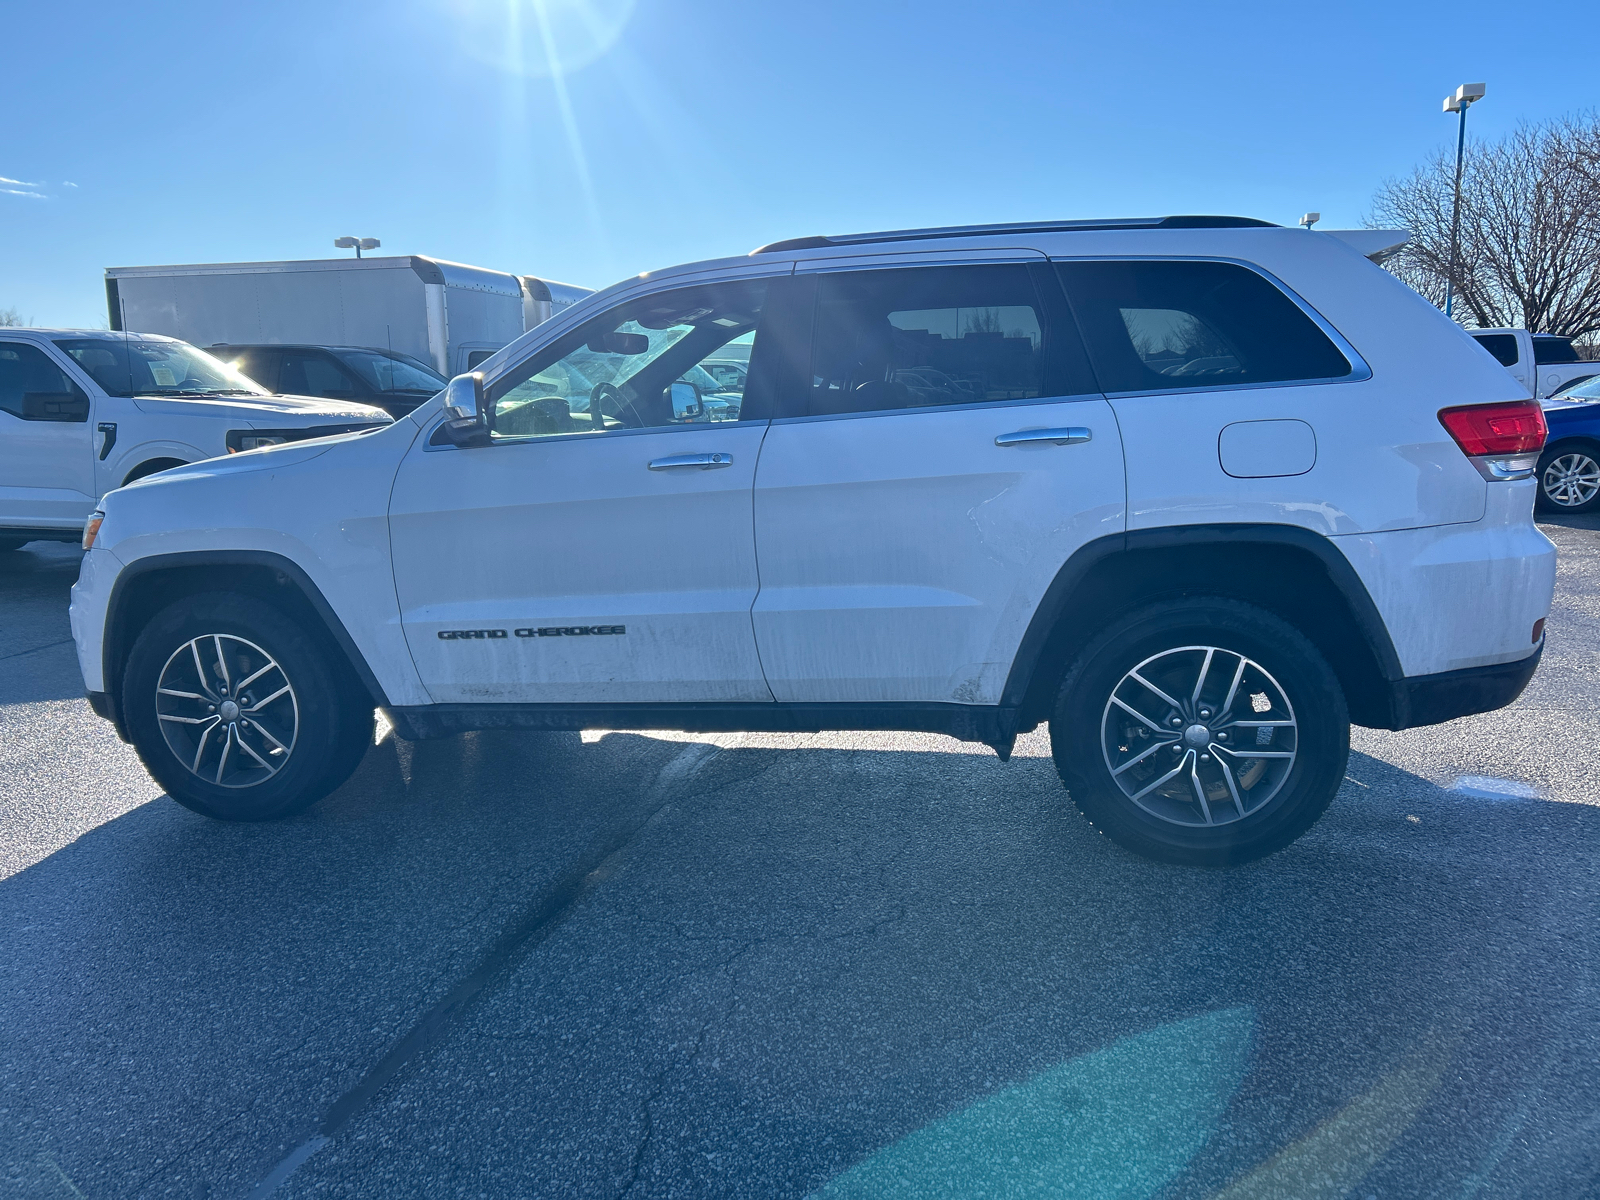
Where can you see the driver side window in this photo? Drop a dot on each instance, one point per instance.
(658, 361)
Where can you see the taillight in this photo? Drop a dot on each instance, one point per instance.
(1516, 427)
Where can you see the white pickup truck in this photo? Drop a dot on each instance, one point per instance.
(1542, 362)
(84, 411)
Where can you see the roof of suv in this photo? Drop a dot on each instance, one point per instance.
(955, 231)
(300, 346)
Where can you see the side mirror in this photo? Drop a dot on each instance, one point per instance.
(685, 400)
(463, 396)
(466, 416)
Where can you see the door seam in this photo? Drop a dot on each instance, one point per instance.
(755, 550)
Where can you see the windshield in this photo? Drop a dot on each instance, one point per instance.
(1584, 389)
(138, 366)
(392, 373)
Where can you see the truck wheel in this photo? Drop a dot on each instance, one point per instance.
(236, 711)
(1201, 730)
(1569, 479)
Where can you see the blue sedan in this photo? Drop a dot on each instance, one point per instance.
(1569, 468)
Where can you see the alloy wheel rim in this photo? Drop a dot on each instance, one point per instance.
(1571, 479)
(1199, 736)
(227, 710)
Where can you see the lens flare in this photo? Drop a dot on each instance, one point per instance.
(542, 38)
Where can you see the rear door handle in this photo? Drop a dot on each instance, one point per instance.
(705, 462)
(1059, 437)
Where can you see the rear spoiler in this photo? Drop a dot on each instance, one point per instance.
(1376, 244)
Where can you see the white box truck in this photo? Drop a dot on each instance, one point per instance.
(449, 315)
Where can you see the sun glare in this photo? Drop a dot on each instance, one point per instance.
(547, 38)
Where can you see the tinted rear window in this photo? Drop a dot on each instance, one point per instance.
(1169, 326)
(926, 336)
(1549, 349)
(1502, 345)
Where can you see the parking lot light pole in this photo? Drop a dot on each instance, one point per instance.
(1458, 102)
(357, 244)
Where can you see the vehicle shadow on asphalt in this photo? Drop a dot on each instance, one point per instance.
(805, 956)
(1578, 521)
(35, 636)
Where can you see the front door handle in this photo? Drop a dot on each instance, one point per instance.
(1070, 436)
(705, 462)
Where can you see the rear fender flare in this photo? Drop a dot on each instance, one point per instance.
(1019, 694)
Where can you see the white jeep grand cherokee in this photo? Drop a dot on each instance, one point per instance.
(1197, 491)
(83, 411)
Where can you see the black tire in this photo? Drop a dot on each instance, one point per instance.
(322, 725)
(1291, 690)
(1553, 464)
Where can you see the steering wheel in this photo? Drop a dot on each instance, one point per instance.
(606, 401)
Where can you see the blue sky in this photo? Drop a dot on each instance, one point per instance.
(174, 131)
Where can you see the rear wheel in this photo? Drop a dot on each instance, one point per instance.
(1201, 731)
(1569, 478)
(236, 711)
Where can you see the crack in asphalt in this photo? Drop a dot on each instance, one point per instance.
(36, 649)
(550, 908)
(167, 1168)
(730, 964)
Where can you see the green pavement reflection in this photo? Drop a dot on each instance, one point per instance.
(1121, 1121)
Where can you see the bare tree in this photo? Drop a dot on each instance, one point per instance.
(11, 317)
(1529, 252)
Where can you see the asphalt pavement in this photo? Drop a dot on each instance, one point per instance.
(623, 964)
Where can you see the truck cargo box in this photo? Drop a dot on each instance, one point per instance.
(447, 314)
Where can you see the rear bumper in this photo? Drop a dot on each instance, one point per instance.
(1432, 699)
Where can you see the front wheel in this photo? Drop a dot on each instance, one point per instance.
(1201, 730)
(236, 711)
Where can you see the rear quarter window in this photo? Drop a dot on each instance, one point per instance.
(1154, 326)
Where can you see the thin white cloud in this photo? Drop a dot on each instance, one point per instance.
(68, 183)
(21, 187)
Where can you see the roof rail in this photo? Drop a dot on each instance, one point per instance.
(955, 231)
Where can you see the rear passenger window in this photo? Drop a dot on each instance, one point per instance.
(1157, 326)
(1502, 345)
(926, 337)
(313, 374)
(1549, 349)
